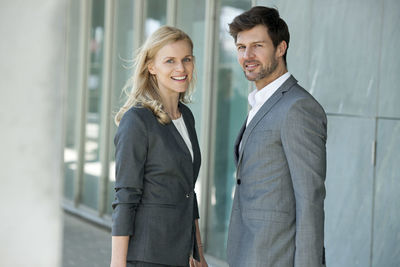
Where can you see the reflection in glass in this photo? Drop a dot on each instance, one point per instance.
(156, 15)
(231, 113)
(70, 149)
(191, 15)
(92, 167)
(121, 70)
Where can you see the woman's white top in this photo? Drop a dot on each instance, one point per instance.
(181, 127)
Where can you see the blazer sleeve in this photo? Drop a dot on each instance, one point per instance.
(130, 157)
(304, 140)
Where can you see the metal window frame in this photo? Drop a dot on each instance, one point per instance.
(83, 65)
(208, 114)
(172, 12)
(106, 91)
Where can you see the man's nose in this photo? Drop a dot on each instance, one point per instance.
(248, 53)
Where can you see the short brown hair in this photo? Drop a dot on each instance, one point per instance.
(260, 15)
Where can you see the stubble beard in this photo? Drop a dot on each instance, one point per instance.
(264, 72)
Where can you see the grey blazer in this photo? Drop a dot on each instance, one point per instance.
(277, 216)
(155, 203)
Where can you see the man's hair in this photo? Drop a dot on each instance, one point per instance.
(260, 15)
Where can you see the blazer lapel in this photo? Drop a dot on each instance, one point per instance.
(237, 142)
(195, 145)
(179, 139)
(265, 108)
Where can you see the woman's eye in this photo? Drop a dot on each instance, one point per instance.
(187, 59)
(170, 61)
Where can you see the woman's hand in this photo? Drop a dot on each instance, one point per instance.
(201, 263)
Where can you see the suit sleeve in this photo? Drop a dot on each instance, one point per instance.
(304, 140)
(130, 157)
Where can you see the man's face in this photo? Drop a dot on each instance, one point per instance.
(257, 55)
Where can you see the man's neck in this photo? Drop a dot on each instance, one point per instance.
(280, 70)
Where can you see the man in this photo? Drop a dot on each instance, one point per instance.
(278, 210)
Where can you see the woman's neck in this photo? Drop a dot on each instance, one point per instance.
(171, 106)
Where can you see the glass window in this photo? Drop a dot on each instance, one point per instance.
(231, 111)
(72, 121)
(156, 15)
(92, 167)
(121, 70)
(191, 19)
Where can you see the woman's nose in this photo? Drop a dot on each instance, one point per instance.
(179, 66)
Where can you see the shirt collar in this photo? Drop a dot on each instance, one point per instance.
(257, 97)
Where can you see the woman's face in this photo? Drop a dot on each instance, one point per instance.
(173, 66)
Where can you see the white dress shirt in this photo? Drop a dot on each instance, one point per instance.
(257, 98)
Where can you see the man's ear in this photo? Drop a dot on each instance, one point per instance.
(281, 49)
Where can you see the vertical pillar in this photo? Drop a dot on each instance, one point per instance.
(32, 65)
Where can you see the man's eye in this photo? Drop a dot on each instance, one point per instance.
(240, 47)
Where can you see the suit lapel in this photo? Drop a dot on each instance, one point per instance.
(237, 142)
(265, 108)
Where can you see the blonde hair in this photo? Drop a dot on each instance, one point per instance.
(143, 86)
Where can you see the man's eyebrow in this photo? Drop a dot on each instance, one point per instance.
(255, 42)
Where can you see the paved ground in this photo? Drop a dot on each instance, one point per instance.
(85, 244)
(88, 245)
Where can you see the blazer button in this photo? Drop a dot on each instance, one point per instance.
(187, 195)
(238, 181)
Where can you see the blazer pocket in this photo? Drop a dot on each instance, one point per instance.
(266, 215)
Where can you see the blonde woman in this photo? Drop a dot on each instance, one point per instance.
(155, 212)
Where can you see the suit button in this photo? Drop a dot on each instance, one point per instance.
(238, 181)
(187, 195)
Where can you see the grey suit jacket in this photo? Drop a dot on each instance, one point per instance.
(155, 202)
(277, 216)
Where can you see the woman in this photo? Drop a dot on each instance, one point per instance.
(155, 217)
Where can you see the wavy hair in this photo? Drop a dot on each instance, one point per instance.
(142, 88)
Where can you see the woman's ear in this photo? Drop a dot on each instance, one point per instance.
(150, 68)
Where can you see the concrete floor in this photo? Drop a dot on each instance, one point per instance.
(85, 244)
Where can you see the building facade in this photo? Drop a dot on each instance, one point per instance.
(343, 52)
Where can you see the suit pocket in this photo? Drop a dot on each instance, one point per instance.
(266, 215)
